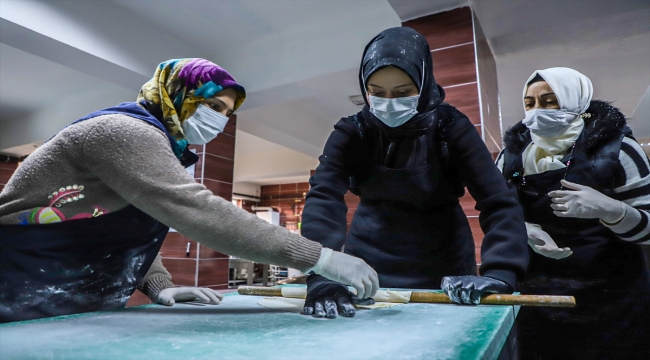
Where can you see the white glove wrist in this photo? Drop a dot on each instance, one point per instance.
(325, 257)
(615, 217)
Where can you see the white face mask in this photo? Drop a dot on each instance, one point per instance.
(204, 125)
(394, 112)
(548, 122)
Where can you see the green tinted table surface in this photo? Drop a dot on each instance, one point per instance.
(239, 328)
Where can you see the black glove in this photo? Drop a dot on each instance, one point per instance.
(327, 298)
(468, 289)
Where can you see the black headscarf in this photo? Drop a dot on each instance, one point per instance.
(408, 50)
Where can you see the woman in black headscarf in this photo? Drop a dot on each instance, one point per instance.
(408, 156)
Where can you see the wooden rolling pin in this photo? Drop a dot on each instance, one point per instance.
(442, 298)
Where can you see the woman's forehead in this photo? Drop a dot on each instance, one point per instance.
(538, 87)
(390, 75)
(228, 96)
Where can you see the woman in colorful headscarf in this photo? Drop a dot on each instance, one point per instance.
(409, 156)
(83, 218)
(584, 185)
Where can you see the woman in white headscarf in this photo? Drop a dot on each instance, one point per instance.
(584, 184)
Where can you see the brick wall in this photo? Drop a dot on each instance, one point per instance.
(288, 199)
(7, 168)
(451, 38)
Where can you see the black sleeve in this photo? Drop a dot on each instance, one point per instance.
(504, 253)
(324, 215)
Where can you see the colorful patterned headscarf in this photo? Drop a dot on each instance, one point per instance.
(177, 88)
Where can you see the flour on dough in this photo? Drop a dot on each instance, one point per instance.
(293, 299)
(391, 296)
(282, 304)
(296, 305)
(377, 305)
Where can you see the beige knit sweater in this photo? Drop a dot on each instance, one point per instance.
(117, 160)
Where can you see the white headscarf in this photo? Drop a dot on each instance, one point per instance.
(574, 92)
(572, 89)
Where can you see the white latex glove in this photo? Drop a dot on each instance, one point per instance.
(348, 270)
(586, 203)
(169, 296)
(542, 243)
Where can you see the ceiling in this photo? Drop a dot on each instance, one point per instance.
(413, 9)
(256, 162)
(297, 59)
(21, 94)
(605, 40)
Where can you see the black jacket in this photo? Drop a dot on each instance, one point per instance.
(607, 275)
(356, 147)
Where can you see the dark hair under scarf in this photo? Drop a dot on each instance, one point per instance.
(407, 50)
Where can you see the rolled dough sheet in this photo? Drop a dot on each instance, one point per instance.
(377, 305)
(296, 305)
(282, 304)
(389, 296)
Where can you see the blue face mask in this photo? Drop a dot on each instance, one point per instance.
(204, 125)
(394, 112)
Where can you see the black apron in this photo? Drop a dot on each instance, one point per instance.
(75, 266)
(410, 227)
(608, 277)
(81, 265)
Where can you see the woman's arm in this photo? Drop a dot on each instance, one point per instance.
(324, 216)
(504, 253)
(135, 159)
(155, 280)
(633, 189)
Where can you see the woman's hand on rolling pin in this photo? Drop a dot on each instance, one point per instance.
(468, 289)
(327, 298)
(170, 296)
(348, 270)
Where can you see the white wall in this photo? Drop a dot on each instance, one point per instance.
(265, 163)
(619, 71)
(289, 124)
(640, 120)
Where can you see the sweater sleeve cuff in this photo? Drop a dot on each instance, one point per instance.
(507, 276)
(631, 219)
(155, 285)
(302, 254)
